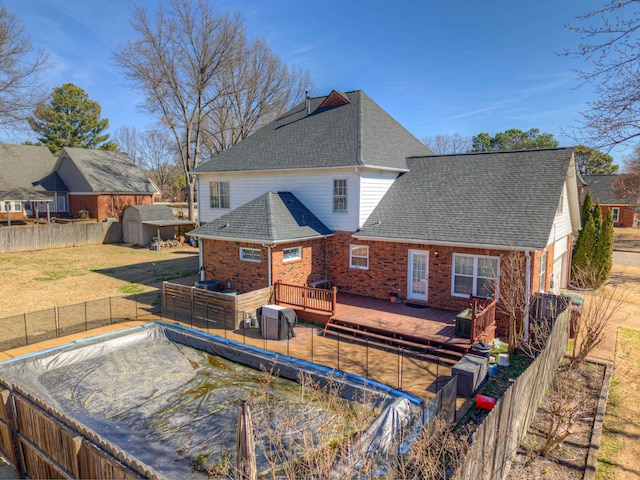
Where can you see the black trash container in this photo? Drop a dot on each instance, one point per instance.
(481, 349)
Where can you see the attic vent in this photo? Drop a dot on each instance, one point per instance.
(335, 99)
(377, 222)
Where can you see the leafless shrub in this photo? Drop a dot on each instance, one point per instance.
(539, 332)
(567, 404)
(598, 310)
(435, 454)
(513, 296)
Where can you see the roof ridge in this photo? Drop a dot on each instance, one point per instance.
(497, 152)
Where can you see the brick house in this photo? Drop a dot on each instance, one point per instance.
(22, 167)
(603, 190)
(102, 183)
(337, 190)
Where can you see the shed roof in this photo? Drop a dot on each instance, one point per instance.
(22, 194)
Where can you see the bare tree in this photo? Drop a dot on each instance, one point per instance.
(19, 68)
(176, 63)
(611, 42)
(513, 295)
(129, 139)
(185, 62)
(448, 144)
(261, 88)
(627, 185)
(153, 151)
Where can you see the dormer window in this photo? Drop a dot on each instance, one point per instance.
(340, 195)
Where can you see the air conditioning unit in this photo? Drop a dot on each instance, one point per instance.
(274, 324)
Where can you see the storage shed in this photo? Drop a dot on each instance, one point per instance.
(141, 223)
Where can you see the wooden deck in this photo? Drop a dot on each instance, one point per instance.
(418, 323)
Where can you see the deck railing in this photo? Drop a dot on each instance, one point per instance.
(483, 316)
(306, 298)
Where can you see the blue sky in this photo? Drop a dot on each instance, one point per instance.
(437, 67)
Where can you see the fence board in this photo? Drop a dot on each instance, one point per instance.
(495, 442)
(24, 238)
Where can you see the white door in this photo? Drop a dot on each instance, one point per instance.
(559, 280)
(418, 274)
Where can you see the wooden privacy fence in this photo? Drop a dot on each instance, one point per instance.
(42, 237)
(495, 442)
(41, 442)
(196, 306)
(318, 299)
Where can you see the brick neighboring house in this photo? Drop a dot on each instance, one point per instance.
(22, 167)
(336, 189)
(602, 190)
(103, 183)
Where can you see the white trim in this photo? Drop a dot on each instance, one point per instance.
(349, 167)
(615, 214)
(474, 276)
(359, 267)
(410, 291)
(297, 257)
(254, 260)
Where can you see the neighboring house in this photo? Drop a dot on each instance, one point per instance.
(337, 190)
(22, 166)
(102, 183)
(602, 188)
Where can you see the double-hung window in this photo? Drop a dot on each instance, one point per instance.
(475, 275)
(359, 257)
(543, 272)
(219, 192)
(615, 213)
(340, 195)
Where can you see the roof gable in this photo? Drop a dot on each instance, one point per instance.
(499, 199)
(334, 99)
(346, 135)
(102, 171)
(22, 165)
(274, 217)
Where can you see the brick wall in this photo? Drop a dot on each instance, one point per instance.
(311, 267)
(106, 206)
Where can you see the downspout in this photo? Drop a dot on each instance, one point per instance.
(528, 294)
(200, 259)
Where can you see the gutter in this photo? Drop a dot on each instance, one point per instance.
(260, 241)
(445, 244)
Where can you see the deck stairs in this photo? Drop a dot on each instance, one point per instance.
(420, 347)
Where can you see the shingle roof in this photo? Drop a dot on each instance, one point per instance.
(21, 165)
(274, 217)
(504, 199)
(25, 195)
(109, 171)
(52, 183)
(153, 212)
(356, 133)
(602, 190)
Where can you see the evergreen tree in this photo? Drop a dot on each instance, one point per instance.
(604, 249)
(583, 254)
(587, 207)
(597, 219)
(71, 119)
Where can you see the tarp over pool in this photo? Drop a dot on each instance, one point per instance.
(169, 396)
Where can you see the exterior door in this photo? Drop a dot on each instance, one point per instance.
(418, 274)
(559, 277)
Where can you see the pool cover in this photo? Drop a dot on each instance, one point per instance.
(169, 396)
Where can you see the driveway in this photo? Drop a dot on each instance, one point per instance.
(626, 259)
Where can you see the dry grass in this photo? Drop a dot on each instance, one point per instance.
(33, 281)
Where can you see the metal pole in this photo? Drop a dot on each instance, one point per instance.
(86, 324)
(366, 351)
(338, 350)
(110, 312)
(313, 334)
(26, 335)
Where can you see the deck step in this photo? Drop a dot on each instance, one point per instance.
(423, 347)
